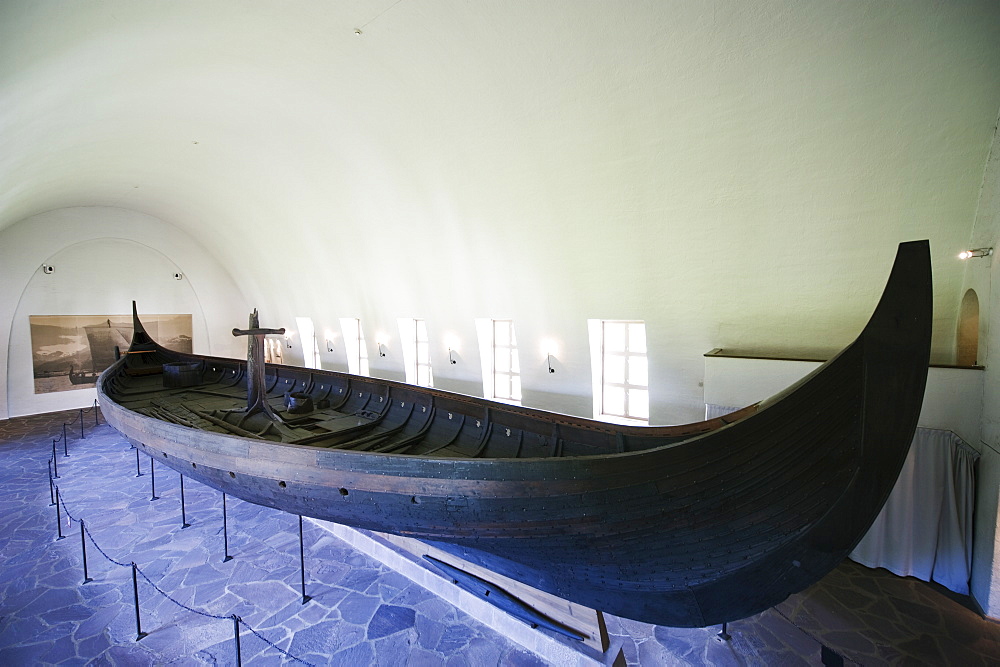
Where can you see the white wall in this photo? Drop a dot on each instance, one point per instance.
(103, 258)
(734, 174)
(951, 400)
(981, 274)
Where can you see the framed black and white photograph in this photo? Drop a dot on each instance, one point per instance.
(70, 351)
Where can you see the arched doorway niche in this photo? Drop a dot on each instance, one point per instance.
(967, 341)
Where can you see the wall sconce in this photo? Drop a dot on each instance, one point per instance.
(178, 276)
(329, 345)
(451, 356)
(47, 269)
(381, 349)
(550, 348)
(288, 342)
(975, 252)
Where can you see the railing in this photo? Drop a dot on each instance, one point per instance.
(58, 501)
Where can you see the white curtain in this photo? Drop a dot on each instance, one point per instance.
(925, 527)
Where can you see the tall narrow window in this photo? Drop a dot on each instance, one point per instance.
(354, 345)
(272, 351)
(621, 376)
(416, 352)
(501, 367)
(310, 346)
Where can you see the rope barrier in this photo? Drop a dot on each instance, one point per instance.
(98, 547)
(273, 645)
(162, 592)
(179, 604)
(66, 509)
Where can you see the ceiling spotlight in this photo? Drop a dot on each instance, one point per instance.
(47, 268)
(178, 276)
(975, 252)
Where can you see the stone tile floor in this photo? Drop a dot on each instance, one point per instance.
(361, 612)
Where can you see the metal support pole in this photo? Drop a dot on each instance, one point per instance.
(139, 634)
(65, 447)
(52, 493)
(83, 544)
(138, 470)
(724, 636)
(184, 523)
(236, 633)
(225, 531)
(55, 465)
(302, 564)
(152, 480)
(58, 518)
(97, 419)
(81, 424)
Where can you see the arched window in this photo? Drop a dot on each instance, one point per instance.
(968, 330)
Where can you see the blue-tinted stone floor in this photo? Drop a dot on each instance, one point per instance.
(361, 613)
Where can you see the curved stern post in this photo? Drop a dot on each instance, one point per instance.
(139, 335)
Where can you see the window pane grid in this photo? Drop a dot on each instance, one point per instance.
(506, 369)
(362, 351)
(422, 354)
(624, 370)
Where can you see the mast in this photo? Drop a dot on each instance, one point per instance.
(256, 387)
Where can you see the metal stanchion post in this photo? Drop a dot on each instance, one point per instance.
(55, 465)
(225, 531)
(236, 632)
(58, 518)
(52, 493)
(184, 523)
(152, 480)
(81, 424)
(138, 470)
(302, 563)
(65, 446)
(97, 419)
(139, 634)
(83, 544)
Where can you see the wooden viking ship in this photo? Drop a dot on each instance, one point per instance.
(83, 377)
(674, 525)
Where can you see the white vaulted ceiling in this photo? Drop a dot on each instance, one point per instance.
(737, 174)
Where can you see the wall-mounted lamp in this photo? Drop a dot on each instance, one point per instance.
(550, 348)
(329, 345)
(47, 269)
(451, 356)
(288, 342)
(975, 252)
(381, 349)
(178, 276)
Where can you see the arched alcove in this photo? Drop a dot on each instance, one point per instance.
(967, 342)
(96, 277)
